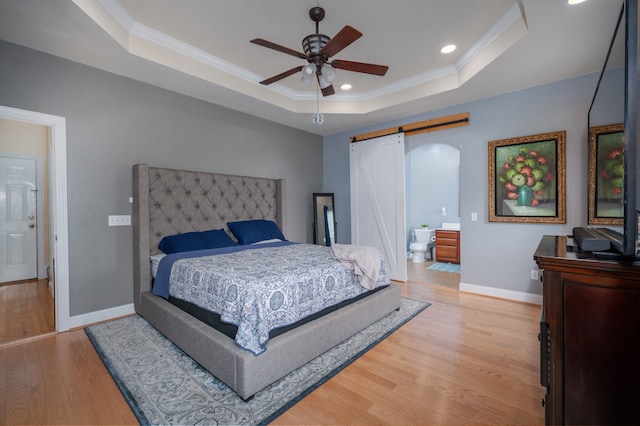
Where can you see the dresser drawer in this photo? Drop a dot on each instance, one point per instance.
(447, 246)
(446, 241)
(446, 254)
(446, 235)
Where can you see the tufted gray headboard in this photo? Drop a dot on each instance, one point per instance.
(168, 201)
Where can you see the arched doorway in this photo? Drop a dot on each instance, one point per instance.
(432, 181)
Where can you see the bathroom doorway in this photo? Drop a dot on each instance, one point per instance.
(432, 185)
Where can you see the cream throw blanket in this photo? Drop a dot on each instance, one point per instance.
(364, 260)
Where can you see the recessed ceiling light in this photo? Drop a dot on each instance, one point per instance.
(572, 2)
(346, 86)
(448, 48)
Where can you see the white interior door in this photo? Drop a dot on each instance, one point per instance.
(378, 199)
(18, 238)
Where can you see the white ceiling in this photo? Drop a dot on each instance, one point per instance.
(201, 48)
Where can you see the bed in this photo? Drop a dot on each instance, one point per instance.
(169, 202)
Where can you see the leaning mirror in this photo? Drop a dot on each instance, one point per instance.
(323, 219)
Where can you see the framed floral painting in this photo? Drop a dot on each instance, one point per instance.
(606, 174)
(527, 179)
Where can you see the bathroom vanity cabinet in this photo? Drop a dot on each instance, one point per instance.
(589, 337)
(447, 246)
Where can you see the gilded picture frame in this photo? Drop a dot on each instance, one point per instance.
(527, 179)
(606, 172)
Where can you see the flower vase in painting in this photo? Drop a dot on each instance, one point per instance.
(526, 174)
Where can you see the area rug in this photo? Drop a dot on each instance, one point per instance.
(163, 385)
(445, 267)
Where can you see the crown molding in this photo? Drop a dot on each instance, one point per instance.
(151, 44)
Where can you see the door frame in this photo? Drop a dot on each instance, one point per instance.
(41, 264)
(59, 240)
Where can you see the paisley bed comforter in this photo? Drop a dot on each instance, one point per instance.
(261, 287)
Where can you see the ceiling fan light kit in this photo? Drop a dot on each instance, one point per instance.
(307, 74)
(325, 79)
(318, 49)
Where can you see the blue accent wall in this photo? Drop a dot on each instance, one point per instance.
(498, 255)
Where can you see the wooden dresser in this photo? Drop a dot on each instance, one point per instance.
(589, 337)
(447, 246)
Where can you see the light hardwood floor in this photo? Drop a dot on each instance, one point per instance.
(467, 359)
(26, 310)
(420, 273)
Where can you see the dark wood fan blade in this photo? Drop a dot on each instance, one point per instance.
(345, 37)
(270, 45)
(328, 91)
(360, 67)
(282, 75)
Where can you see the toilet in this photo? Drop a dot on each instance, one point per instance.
(424, 238)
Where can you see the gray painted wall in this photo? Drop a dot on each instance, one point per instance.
(493, 254)
(115, 122)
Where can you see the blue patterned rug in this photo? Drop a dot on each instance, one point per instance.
(165, 386)
(445, 267)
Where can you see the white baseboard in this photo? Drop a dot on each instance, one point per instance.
(98, 316)
(502, 293)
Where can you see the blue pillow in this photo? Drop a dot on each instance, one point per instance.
(195, 241)
(254, 231)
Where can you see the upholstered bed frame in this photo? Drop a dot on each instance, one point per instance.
(167, 202)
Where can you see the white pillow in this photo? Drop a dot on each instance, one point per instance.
(273, 240)
(155, 261)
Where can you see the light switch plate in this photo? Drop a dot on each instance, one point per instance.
(120, 220)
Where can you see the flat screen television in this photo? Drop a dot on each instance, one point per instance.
(617, 93)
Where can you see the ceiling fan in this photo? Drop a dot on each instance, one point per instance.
(318, 49)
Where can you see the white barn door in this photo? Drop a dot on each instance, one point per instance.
(378, 199)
